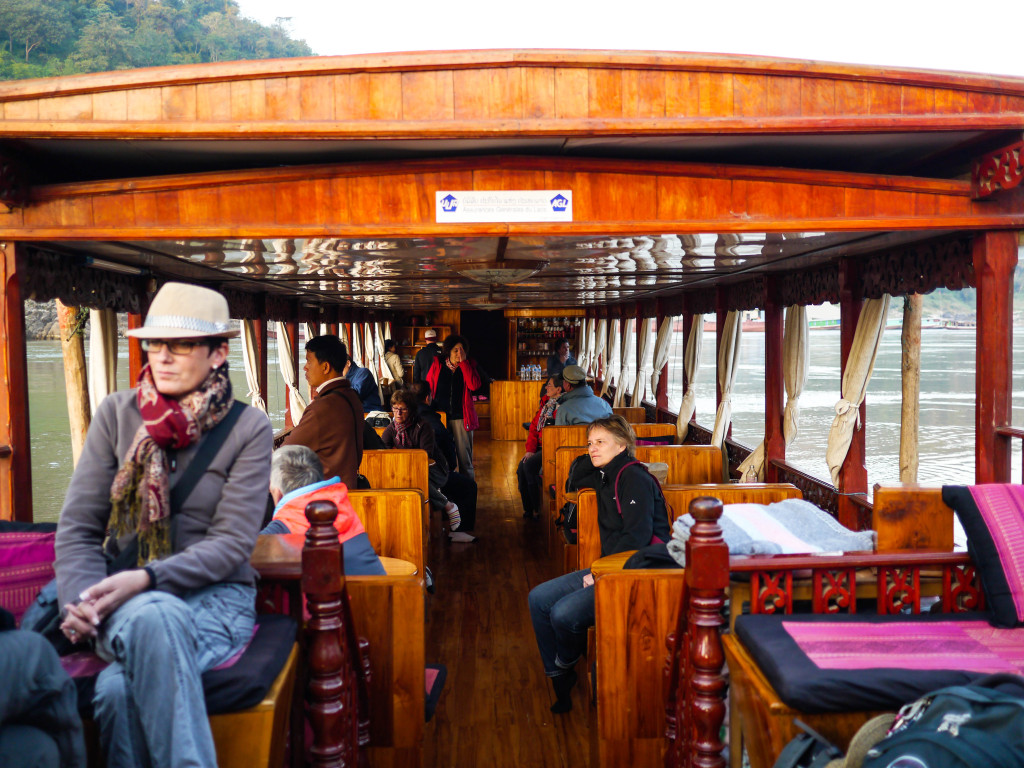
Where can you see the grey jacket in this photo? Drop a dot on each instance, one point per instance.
(212, 536)
(581, 406)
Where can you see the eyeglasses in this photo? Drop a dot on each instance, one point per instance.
(176, 346)
(400, 410)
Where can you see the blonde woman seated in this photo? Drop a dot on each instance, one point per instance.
(408, 430)
(630, 514)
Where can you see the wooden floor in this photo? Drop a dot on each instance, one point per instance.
(494, 709)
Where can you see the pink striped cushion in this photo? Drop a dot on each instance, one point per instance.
(26, 565)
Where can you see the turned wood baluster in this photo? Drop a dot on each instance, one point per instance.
(332, 718)
(707, 576)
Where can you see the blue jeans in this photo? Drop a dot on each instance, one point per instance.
(149, 702)
(562, 610)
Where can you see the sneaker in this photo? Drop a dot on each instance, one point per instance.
(460, 537)
(454, 518)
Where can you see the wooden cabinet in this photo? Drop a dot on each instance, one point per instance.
(534, 339)
(410, 339)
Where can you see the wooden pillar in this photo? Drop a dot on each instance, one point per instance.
(136, 359)
(332, 328)
(15, 454)
(910, 408)
(260, 332)
(774, 383)
(853, 475)
(995, 257)
(292, 329)
(76, 384)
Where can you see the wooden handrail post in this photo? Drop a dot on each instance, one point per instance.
(333, 716)
(260, 332)
(16, 464)
(774, 383)
(853, 475)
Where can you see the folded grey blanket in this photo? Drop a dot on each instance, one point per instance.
(792, 526)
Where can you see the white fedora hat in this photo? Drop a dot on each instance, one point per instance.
(183, 311)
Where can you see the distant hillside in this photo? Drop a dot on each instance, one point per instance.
(45, 38)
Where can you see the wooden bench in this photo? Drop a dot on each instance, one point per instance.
(632, 415)
(645, 431)
(901, 516)
(393, 520)
(400, 468)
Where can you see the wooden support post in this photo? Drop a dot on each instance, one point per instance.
(292, 329)
(260, 332)
(136, 358)
(911, 404)
(853, 475)
(15, 454)
(333, 715)
(995, 257)
(71, 321)
(774, 382)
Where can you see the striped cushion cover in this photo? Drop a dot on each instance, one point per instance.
(26, 565)
(993, 518)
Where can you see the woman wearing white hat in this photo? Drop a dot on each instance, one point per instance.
(186, 600)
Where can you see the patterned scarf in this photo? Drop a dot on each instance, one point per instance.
(402, 437)
(140, 494)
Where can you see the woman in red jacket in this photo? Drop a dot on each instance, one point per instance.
(452, 378)
(529, 468)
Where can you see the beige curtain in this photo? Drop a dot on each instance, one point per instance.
(592, 347)
(794, 369)
(356, 350)
(628, 363)
(691, 366)
(290, 373)
(250, 360)
(859, 366)
(313, 330)
(662, 348)
(370, 336)
(613, 358)
(644, 369)
(728, 360)
(102, 355)
(343, 332)
(601, 350)
(583, 353)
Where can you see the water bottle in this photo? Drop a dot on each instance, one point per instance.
(522, 372)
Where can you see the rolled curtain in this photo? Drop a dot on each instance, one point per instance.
(312, 331)
(859, 366)
(628, 357)
(356, 350)
(691, 366)
(644, 369)
(612, 356)
(290, 373)
(728, 359)
(600, 349)
(794, 368)
(662, 349)
(592, 347)
(583, 353)
(250, 359)
(370, 355)
(102, 355)
(343, 333)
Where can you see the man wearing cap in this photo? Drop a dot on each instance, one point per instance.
(579, 404)
(186, 600)
(332, 424)
(425, 357)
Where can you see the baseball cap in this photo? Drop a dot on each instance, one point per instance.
(574, 374)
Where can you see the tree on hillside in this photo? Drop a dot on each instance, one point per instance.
(31, 24)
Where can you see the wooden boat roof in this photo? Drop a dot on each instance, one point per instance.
(315, 178)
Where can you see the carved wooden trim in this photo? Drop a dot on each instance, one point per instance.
(746, 295)
(810, 286)
(997, 171)
(919, 268)
(50, 275)
(821, 494)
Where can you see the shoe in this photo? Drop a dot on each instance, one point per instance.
(461, 537)
(454, 518)
(563, 691)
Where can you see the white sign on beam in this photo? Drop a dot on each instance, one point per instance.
(503, 206)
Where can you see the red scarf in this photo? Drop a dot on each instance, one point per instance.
(140, 494)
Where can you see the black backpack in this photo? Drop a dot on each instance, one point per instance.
(964, 726)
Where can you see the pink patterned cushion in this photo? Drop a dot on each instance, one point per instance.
(26, 565)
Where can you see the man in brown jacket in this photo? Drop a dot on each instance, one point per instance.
(332, 424)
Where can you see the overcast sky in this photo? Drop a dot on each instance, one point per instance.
(967, 35)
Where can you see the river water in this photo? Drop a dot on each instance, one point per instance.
(946, 422)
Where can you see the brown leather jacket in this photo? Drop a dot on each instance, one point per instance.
(332, 426)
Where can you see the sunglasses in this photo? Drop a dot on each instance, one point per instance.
(176, 346)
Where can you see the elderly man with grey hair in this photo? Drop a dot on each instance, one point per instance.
(296, 479)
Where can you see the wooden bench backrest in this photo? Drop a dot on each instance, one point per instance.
(678, 499)
(564, 458)
(396, 468)
(654, 430)
(687, 464)
(552, 438)
(912, 517)
(635, 611)
(393, 520)
(388, 612)
(632, 415)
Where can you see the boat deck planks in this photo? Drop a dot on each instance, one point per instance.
(494, 709)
